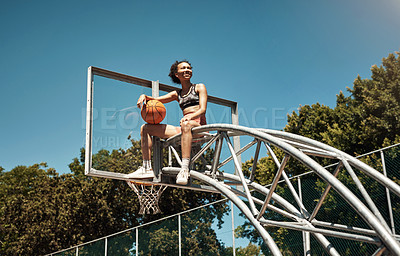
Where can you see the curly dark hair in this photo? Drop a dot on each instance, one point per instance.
(174, 69)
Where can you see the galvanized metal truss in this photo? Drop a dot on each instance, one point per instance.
(236, 186)
(304, 150)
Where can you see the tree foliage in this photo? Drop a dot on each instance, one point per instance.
(42, 211)
(250, 250)
(365, 120)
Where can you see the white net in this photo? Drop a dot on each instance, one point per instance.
(149, 195)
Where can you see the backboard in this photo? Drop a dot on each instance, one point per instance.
(112, 117)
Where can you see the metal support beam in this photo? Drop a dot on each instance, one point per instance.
(255, 160)
(157, 158)
(89, 122)
(243, 208)
(324, 194)
(380, 251)
(155, 89)
(169, 156)
(273, 186)
(389, 202)
(238, 153)
(236, 139)
(365, 194)
(177, 157)
(217, 154)
(346, 228)
(203, 149)
(274, 138)
(240, 173)
(294, 213)
(287, 181)
(326, 232)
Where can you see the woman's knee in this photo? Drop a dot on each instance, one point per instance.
(143, 129)
(186, 127)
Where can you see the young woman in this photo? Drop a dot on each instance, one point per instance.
(192, 99)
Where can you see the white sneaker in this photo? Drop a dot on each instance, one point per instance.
(182, 177)
(141, 173)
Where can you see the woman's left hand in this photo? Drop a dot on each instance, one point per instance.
(186, 118)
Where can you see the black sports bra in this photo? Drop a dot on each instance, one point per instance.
(190, 99)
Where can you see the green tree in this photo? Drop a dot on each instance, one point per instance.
(365, 120)
(42, 211)
(17, 215)
(250, 250)
(361, 122)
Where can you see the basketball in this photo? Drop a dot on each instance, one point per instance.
(153, 112)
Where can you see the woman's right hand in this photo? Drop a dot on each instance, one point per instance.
(141, 101)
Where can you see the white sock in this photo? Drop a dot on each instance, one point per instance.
(185, 163)
(147, 164)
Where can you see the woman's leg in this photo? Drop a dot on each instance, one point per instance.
(146, 131)
(159, 130)
(186, 146)
(187, 136)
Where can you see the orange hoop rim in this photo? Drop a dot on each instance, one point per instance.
(144, 183)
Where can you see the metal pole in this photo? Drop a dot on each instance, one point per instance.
(327, 232)
(273, 186)
(89, 121)
(217, 154)
(238, 153)
(306, 235)
(380, 251)
(243, 208)
(204, 148)
(137, 242)
(233, 232)
(180, 234)
(344, 227)
(255, 160)
(286, 178)
(240, 174)
(77, 251)
(289, 207)
(178, 159)
(371, 172)
(236, 139)
(383, 232)
(155, 89)
(105, 246)
(325, 193)
(365, 194)
(157, 158)
(389, 202)
(169, 156)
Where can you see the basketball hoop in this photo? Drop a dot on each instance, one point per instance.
(149, 195)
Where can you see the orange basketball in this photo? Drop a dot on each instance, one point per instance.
(153, 112)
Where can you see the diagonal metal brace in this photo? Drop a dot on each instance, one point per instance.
(273, 186)
(242, 178)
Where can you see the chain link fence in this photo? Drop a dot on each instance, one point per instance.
(173, 232)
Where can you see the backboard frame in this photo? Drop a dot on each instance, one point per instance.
(156, 87)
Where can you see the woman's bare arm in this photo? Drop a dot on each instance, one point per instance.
(171, 96)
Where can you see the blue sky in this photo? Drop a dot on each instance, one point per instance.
(269, 56)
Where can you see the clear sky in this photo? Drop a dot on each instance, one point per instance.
(269, 56)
